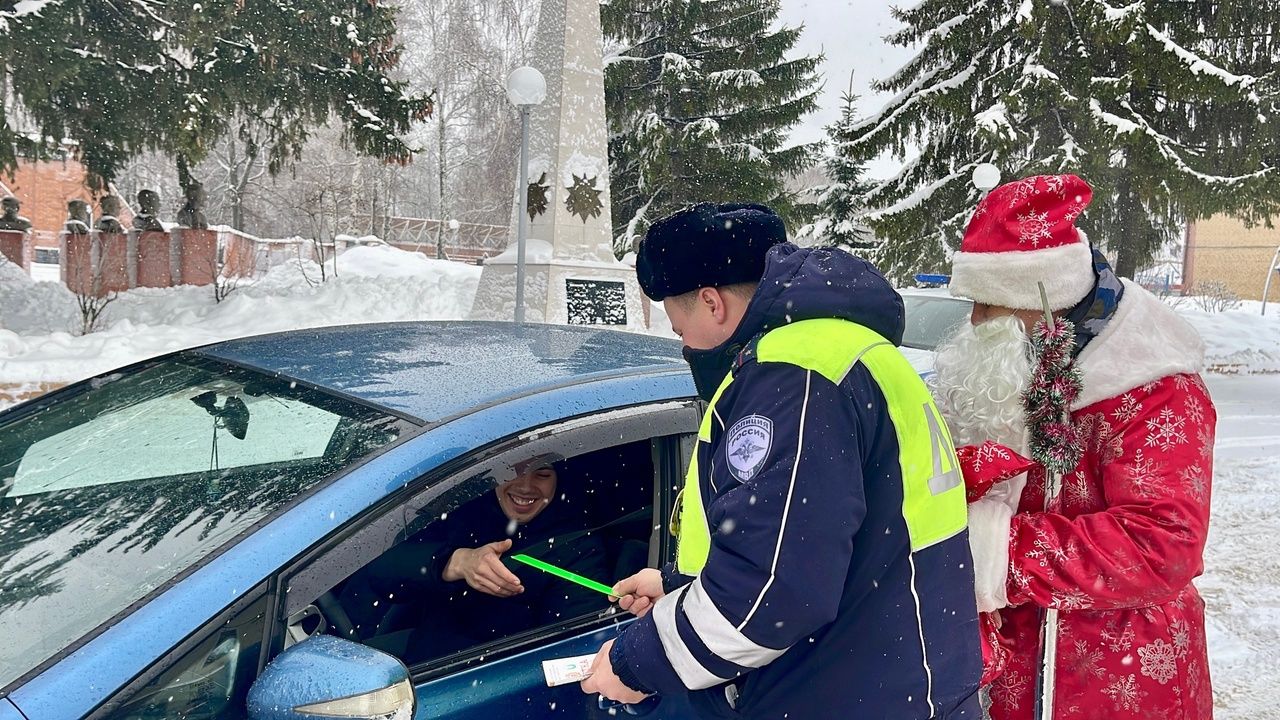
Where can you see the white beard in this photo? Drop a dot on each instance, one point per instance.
(981, 374)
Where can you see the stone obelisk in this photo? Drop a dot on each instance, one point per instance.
(571, 275)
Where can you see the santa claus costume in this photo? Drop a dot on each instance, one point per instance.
(1118, 549)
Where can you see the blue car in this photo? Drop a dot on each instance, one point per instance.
(300, 525)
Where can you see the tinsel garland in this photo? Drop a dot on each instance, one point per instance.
(1055, 384)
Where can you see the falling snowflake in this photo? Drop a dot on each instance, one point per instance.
(1159, 661)
(1084, 661)
(583, 199)
(1166, 431)
(538, 199)
(1128, 410)
(1125, 693)
(1033, 227)
(1194, 477)
(1144, 474)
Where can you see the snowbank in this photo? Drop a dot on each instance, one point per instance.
(372, 284)
(1239, 341)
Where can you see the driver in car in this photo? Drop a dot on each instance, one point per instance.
(455, 574)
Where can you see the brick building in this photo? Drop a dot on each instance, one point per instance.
(1221, 249)
(44, 189)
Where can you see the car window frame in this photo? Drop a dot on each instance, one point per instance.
(364, 538)
(177, 652)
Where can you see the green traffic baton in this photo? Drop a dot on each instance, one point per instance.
(565, 574)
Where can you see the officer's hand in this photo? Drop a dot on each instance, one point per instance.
(604, 681)
(483, 570)
(639, 592)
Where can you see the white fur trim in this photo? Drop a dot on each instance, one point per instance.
(1144, 342)
(1008, 279)
(989, 523)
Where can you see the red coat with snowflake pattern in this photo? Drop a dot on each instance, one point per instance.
(1117, 559)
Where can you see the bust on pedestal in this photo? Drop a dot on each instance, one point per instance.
(109, 221)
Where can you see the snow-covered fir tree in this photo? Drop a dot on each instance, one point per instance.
(118, 79)
(1153, 103)
(840, 207)
(700, 97)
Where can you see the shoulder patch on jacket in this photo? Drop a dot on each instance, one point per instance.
(747, 446)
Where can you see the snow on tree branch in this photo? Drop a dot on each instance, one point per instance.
(1197, 64)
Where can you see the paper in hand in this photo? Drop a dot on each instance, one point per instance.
(563, 671)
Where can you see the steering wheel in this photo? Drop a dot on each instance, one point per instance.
(336, 615)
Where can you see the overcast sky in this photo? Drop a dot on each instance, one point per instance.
(851, 34)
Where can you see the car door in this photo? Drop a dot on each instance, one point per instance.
(501, 674)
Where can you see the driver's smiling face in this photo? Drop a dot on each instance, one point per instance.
(529, 493)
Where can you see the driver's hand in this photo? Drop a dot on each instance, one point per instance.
(638, 593)
(483, 570)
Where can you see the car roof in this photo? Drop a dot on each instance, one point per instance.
(939, 292)
(435, 371)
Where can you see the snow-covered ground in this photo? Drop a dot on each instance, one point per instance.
(373, 284)
(39, 321)
(1241, 584)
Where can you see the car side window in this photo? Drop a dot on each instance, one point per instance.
(456, 583)
(209, 682)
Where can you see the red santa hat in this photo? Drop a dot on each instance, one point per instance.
(1021, 234)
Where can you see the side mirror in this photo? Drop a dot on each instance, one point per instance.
(329, 677)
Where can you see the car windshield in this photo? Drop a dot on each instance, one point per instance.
(931, 319)
(128, 480)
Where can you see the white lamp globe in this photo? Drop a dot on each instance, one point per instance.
(526, 86)
(986, 176)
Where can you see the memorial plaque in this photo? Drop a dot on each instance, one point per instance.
(596, 302)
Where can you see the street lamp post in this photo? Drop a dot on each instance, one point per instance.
(1272, 271)
(526, 87)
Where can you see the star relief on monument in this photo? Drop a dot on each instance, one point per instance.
(583, 199)
(538, 196)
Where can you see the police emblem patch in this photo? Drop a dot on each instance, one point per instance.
(747, 448)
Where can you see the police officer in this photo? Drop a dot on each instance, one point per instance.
(823, 566)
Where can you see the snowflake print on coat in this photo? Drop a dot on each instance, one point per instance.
(989, 452)
(1147, 474)
(1195, 410)
(1166, 431)
(1079, 491)
(1194, 479)
(1085, 661)
(1181, 637)
(1126, 694)
(1128, 410)
(1127, 541)
(1159, 661)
